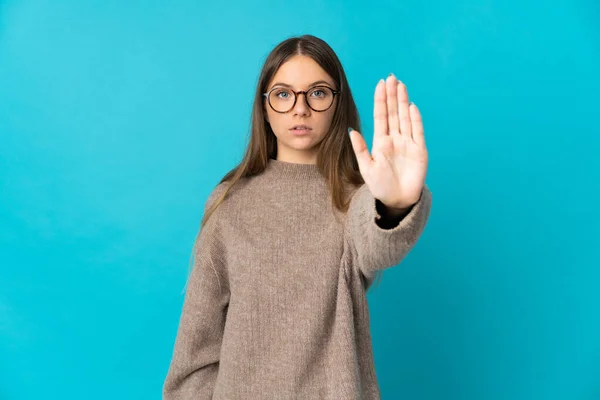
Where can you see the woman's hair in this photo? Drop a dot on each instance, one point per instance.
(335, 158)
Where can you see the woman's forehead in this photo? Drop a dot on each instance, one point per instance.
(300, 72)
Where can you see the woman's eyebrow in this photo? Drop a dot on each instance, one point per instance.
(312, 84)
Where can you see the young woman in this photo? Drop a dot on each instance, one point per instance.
(292, 238)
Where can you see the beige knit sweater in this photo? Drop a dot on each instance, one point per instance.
(276, 304)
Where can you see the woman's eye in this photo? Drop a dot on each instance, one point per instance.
(318, 93)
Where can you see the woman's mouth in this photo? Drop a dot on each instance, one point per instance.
(300, 129)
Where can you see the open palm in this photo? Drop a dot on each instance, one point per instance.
(395, 171)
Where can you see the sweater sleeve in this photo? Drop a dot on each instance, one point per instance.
(375, 247)
(195, 361)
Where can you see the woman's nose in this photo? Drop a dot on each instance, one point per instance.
(301, 106)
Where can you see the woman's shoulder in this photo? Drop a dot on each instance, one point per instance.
(221, 188)
(215, 194)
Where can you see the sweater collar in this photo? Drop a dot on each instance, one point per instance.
(284, 169)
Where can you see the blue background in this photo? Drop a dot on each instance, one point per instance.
(118, 118)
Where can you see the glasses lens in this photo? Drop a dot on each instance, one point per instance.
(319, 98)
(281, 99)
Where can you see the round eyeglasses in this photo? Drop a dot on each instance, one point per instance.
(318, 98)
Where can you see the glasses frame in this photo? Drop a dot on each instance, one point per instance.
(296, 93)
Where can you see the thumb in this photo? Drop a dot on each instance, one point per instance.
(360, 150)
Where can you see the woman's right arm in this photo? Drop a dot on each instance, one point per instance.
(195, 362)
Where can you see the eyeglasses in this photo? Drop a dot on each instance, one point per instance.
(318, 98)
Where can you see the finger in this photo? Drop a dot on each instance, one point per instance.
(403, 112)
(416, 120)
(392, 104)
(380, 111)
(361, 150)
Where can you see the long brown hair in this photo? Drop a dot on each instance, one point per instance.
(335, 159)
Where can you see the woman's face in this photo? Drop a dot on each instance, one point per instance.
(300, 73)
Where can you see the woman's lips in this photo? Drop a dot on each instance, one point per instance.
(302, 131)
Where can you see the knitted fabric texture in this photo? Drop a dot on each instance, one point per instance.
(276, 307)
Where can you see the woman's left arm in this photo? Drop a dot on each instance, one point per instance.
(389, 212)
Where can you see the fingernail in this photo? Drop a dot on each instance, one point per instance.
(391, 74)
(350, 130)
